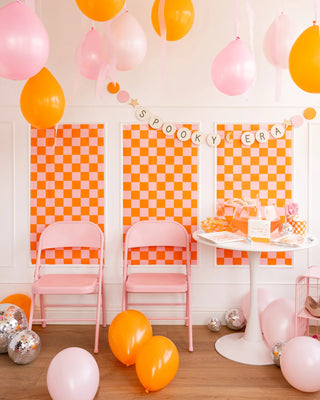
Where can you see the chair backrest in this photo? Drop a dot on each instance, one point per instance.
(156, 233)
(67, 234)
(71, 234)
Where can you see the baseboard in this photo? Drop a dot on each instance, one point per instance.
(199, 316)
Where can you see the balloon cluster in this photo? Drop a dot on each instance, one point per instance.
(156, 357)
(24, 50)
(233, 70)
(122, 46)
(23, 345)
(276, 316)
(298, 357)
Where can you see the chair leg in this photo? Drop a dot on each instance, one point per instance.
(43, 312)
(104, 320)
(187, 311)
(31, 311)
(96, 340)
(124, 298)
(189, 323)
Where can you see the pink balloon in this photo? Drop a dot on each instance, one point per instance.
(89, 55)
(278, 321)
(233, 70)
(24, 42)
(129, 42)
(300, 363)
(278, 41)
(73, 374)
(265, 297)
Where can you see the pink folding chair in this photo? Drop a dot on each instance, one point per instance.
(158, 233)
(71, 234)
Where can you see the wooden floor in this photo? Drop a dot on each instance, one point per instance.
(203, 374)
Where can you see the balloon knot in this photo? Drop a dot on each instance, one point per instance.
(147, 391)
(238, 37)
(314, 22)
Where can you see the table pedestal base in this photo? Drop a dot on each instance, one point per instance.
(236, 348)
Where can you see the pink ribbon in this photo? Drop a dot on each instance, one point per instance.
(235, 17)
(277, 68)
(163, 36)
(278, 83)
(250, 13)
(112, 61)
(102, 76)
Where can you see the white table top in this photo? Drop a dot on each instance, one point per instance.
(256, 246)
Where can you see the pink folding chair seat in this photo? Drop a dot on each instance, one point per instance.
(65, 284)
(158, 233)
(70, 234)
(156, 282)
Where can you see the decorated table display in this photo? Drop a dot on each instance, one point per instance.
(261, 230)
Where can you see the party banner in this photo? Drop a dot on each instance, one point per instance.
(66, 183)
(260, 170)
(160, 181)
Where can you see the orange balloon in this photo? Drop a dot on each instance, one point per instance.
(178, 16)
(100, 10)
(128, 332)
(304, 60)
(157, 363)
(20, 300)
(42, 100)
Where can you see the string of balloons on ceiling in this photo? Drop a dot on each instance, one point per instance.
(24, 51)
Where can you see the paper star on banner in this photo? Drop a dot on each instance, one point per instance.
(287, 123)
(134, 102)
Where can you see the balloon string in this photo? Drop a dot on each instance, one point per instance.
(30, 4)
(111, 54)
(163, 36)
(102, 76)
(278, 84)
(235, 17)
(250, 13)
(77, 56)
(316, 11)
(51, 182)
(275, 59)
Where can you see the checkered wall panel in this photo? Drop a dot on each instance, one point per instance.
(66, 183)
(160, 181)
(263, 170)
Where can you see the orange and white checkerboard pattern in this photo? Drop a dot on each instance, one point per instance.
(263, 170)
(299, 224)
(160, 181)
(66, 183)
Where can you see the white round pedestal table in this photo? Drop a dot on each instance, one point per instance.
(249, 347)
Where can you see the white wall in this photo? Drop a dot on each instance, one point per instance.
(188, 95)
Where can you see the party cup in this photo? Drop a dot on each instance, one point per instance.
(298, 223)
